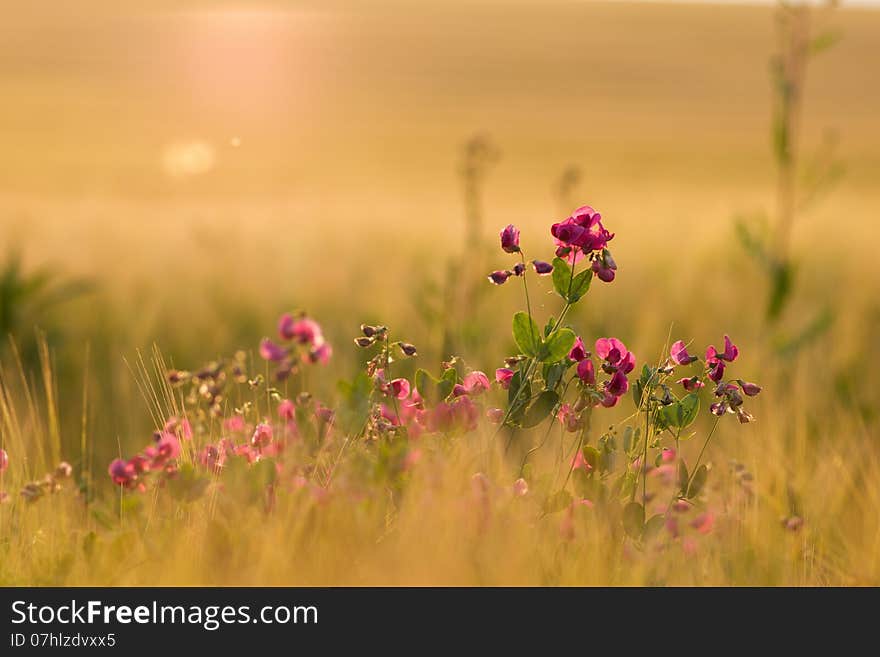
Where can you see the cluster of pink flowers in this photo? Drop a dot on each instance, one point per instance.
(458, 413)
(583, 235)
(161, 456)
(301, 334)
(728, 392)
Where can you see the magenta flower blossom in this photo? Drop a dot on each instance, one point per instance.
(503, 375)
(320, 353)
(542, 268)
(618, 384)
(611, 350)
(286, 410)
(305, 331)
(619, 362)
(271, 351)
(122, 473)
(262, 435)
(4, 460)
(729, 354)
(680, 355)
(582, 232)
(510, 239)
(751, 389)
(716, 370)
(400, 388)
(476, 382)
(691, 383)
(167, 448)
(586, 372)
(578, 351)
(500, 277)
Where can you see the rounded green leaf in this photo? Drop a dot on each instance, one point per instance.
(526, 334)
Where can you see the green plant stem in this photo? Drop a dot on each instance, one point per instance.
(700, 455)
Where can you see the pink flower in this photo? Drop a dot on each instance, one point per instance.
(716, 370)
(167, 448)
(703, 523)
(302, 330)
(122, 473)
(578, 352)
(586, 372)
(476, 382)
(324, 414)
(321, 353)
(400, 388)
(4, 460)
(495, 415)
(520, 487)
(262, 435)
(510, 239)
(729, 354)
(542, 268)
(668, 455)
(286, 409)
(271, 351)
(503, 375)
(580, 463)
(500, 277)
(581, 232)
(609, 400)
(680, 355)
(691, 383)
(234, 423)
(618, 384)
(611, 350)
(569, 418)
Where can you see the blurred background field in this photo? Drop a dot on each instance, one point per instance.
(199, 168)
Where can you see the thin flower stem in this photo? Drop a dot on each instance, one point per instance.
(700, 455)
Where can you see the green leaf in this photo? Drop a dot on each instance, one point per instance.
(570, 288)
(580, 285)
(540, 409)
(557, 346)
(553, 374)
(561, 277)
(689, 406)
(679, 414)
(634, 519)
(682, 476)
(526, 334)
(698, 481)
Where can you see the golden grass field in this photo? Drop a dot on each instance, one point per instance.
(209, 168)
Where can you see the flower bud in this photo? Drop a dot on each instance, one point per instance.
(500, 277)
(542, 268)
(510, 239)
